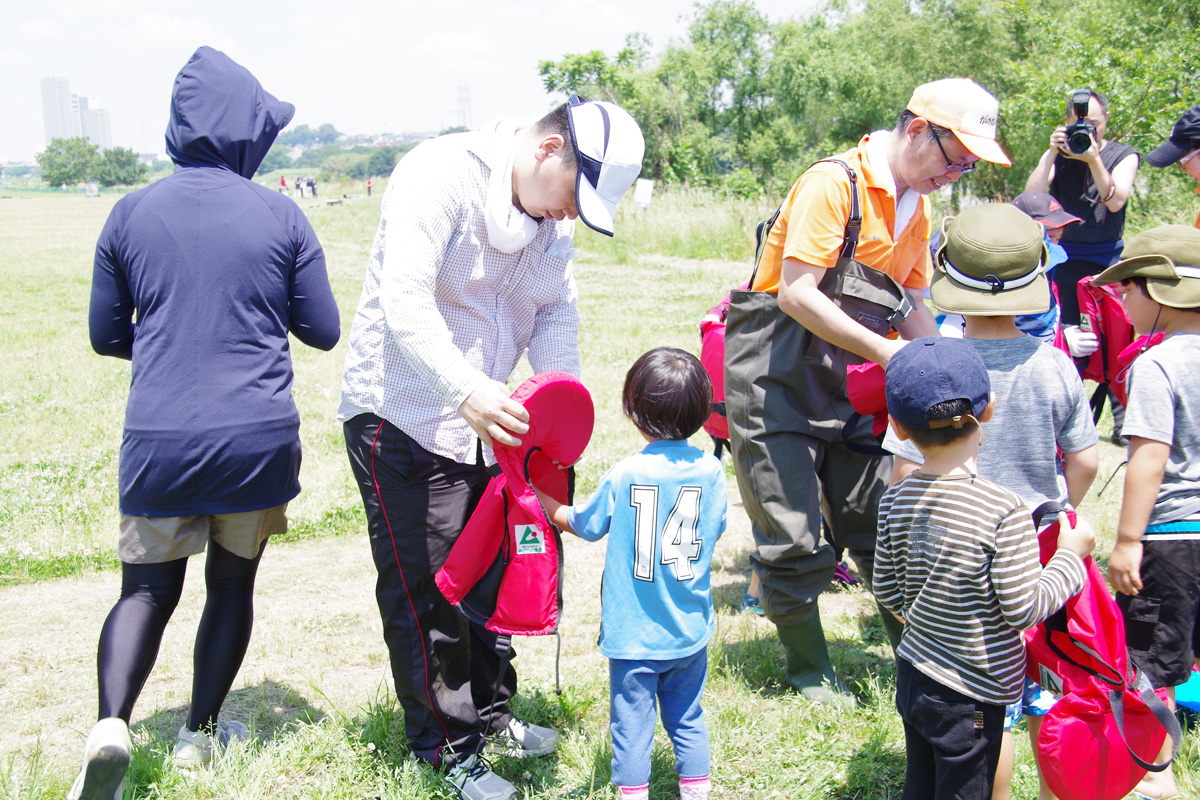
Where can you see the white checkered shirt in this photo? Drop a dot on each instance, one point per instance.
(442, 311)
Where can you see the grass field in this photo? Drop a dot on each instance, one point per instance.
(315, 682)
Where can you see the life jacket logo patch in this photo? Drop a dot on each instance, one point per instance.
(529, 540)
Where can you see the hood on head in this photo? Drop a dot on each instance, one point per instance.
(221, 116)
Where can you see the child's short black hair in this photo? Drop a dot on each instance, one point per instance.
(558, 121)
(940, 437)
(667, 394)
(1140, 282)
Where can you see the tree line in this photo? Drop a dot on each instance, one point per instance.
(76, 160)
(744, 104)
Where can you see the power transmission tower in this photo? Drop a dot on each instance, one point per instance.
(464, 106)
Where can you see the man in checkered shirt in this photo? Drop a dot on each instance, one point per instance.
(470, 269)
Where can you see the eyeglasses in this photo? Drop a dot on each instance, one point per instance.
(950, 165)
(1188, 157)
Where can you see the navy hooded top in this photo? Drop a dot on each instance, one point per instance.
(198, 279)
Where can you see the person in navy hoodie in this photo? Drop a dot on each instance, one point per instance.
(198, 280)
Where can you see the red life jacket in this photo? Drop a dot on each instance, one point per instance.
(1102, 313)
(505, 567)
(1101, 738)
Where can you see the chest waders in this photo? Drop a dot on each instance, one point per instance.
(801, 452)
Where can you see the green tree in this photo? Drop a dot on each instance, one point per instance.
(741, 92)
(119, 166)
(277, 158)
(68, 161)
(327, 134)
(345, 164)
(383, 160)
(316, 156)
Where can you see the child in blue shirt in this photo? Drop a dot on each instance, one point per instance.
(663, 510)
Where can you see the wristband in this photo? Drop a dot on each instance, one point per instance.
(1112, 189)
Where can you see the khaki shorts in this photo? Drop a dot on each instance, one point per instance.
(155, 540)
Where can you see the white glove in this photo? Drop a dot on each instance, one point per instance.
(1080, 343)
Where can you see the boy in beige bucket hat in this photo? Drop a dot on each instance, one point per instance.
(990, 268)
(1155, 564)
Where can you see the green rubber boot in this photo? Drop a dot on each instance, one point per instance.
(809, 671)
(892, 627)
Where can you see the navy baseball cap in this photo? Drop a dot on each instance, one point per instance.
(1185, 137)
(935, 370)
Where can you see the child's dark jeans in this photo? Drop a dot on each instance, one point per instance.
(952, 741)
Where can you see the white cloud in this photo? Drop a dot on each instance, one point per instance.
(163, 29)
(11, 55)
(456, 45)
(41, 28)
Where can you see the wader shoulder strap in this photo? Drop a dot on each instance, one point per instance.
(853, 224)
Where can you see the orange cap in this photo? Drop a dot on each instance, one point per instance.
(966, 108)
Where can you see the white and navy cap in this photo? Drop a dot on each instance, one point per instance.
(608, 148)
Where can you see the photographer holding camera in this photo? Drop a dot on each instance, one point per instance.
(1092, 178)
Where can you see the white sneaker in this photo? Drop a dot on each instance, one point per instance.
(195, 748)
(472, 779)
(522, 740)
(105, 762)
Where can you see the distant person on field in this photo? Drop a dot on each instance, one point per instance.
(368, 187)
(1155, 564)
(199, 279)
(471, 269)
(663, 511)
(797, 448)
(1181, 148)
(990, 269)
(966, 585)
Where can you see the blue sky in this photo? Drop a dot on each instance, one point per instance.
(366, 66)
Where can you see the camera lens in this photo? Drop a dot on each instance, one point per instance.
(1079, 142)
(1079, 137)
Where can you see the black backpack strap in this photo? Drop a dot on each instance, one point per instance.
(1162, 713)
(1050, 508)
(853, 224)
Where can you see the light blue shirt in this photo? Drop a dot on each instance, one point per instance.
(665, 508)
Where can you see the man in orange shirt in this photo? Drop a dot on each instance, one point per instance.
(801, 454)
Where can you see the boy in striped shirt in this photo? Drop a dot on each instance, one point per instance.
(957, 561)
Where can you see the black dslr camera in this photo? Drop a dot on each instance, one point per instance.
(1081, 132)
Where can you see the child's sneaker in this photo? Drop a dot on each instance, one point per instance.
(844, 577)
(105, 762)
(195, 748)
(522, 740)
(752, 605)
(472, 779)
(694, 788)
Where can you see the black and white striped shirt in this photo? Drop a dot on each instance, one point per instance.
(957, 558)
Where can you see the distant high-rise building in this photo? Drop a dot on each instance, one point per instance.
(59, 112)
(67, 115)
(95, 124)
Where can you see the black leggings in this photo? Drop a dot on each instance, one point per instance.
(134, 629)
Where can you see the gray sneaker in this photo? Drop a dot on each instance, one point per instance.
(522, 740)
(105, 762)
(195, 748)
(472, 779)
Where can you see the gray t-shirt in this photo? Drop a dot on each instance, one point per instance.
(1164, 405)
(1041, 407)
